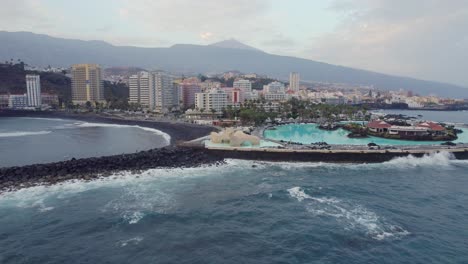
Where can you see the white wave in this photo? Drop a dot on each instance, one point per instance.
(45, 118)
(133, 241)
(441, 159)
(166, 136)
(23, 133)
(133, 217)
(351, 216)
(298, 193)
(38, 204)
(285, 165)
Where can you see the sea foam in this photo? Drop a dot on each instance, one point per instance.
(23, 133)
(352, 216)
(166, 136)
(441, 159)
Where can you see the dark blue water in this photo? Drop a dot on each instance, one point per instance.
(26, 141)
(405, 211)
(438, 116)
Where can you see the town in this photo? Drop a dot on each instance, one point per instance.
(200, 97)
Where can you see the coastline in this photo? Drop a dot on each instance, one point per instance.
(13, 178)
(18, 177)
(177, 130)
(179, 155)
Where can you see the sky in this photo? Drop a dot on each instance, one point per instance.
(426, 39)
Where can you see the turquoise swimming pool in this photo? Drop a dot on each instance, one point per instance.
(310, 133)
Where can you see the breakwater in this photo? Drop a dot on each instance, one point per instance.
(92, 168)
(332, 156)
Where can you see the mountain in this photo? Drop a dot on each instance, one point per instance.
(43, 50)
(233, 44)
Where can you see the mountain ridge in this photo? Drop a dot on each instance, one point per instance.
(233, 44)
(43, 50)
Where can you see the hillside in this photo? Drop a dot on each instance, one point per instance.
(42, 50)
(13, 81)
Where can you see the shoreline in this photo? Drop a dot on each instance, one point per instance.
(177, 130)
(178, 155)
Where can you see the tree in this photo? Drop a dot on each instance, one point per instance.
(88, 104)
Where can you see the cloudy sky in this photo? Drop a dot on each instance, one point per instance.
(425, 39)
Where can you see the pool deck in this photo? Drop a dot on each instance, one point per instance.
(326, 153)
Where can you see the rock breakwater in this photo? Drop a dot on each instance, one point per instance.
(92, 168)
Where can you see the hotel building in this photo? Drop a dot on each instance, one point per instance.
(87, 85)
(33, 90)
(215, 99)
(164, 95)
(139, 89)
(274, 87)
(189, 88)
(294, 81)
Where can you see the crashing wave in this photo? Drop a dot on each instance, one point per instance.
(435, 159)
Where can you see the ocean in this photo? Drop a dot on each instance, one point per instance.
(25, 141)
(408, 210)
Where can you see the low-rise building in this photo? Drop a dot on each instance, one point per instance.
(275, 96)
(4, 100)
(49, 99)
(216, 100)
(18, 101)
(378, 126)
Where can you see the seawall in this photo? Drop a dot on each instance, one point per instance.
(92, 168)
(334, 156)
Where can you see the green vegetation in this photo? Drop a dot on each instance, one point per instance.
(13, 80)
(253, 112)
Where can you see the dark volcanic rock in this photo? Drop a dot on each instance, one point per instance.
(89, 168)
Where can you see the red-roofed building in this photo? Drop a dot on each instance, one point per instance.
(433, 127)
(378, 126)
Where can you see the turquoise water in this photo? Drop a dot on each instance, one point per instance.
(310, 133)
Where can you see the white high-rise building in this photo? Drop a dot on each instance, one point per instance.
(164, 95)
(33, 85)
(294, 81)
(139, 89)
(274, 87)
(215, 99)
(243, 85)
(155, 90)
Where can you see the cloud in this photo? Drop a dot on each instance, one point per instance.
(421, 38)
(24, 15)
(217, 19)
(206, 35)
(123, 12)
(279, 40)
